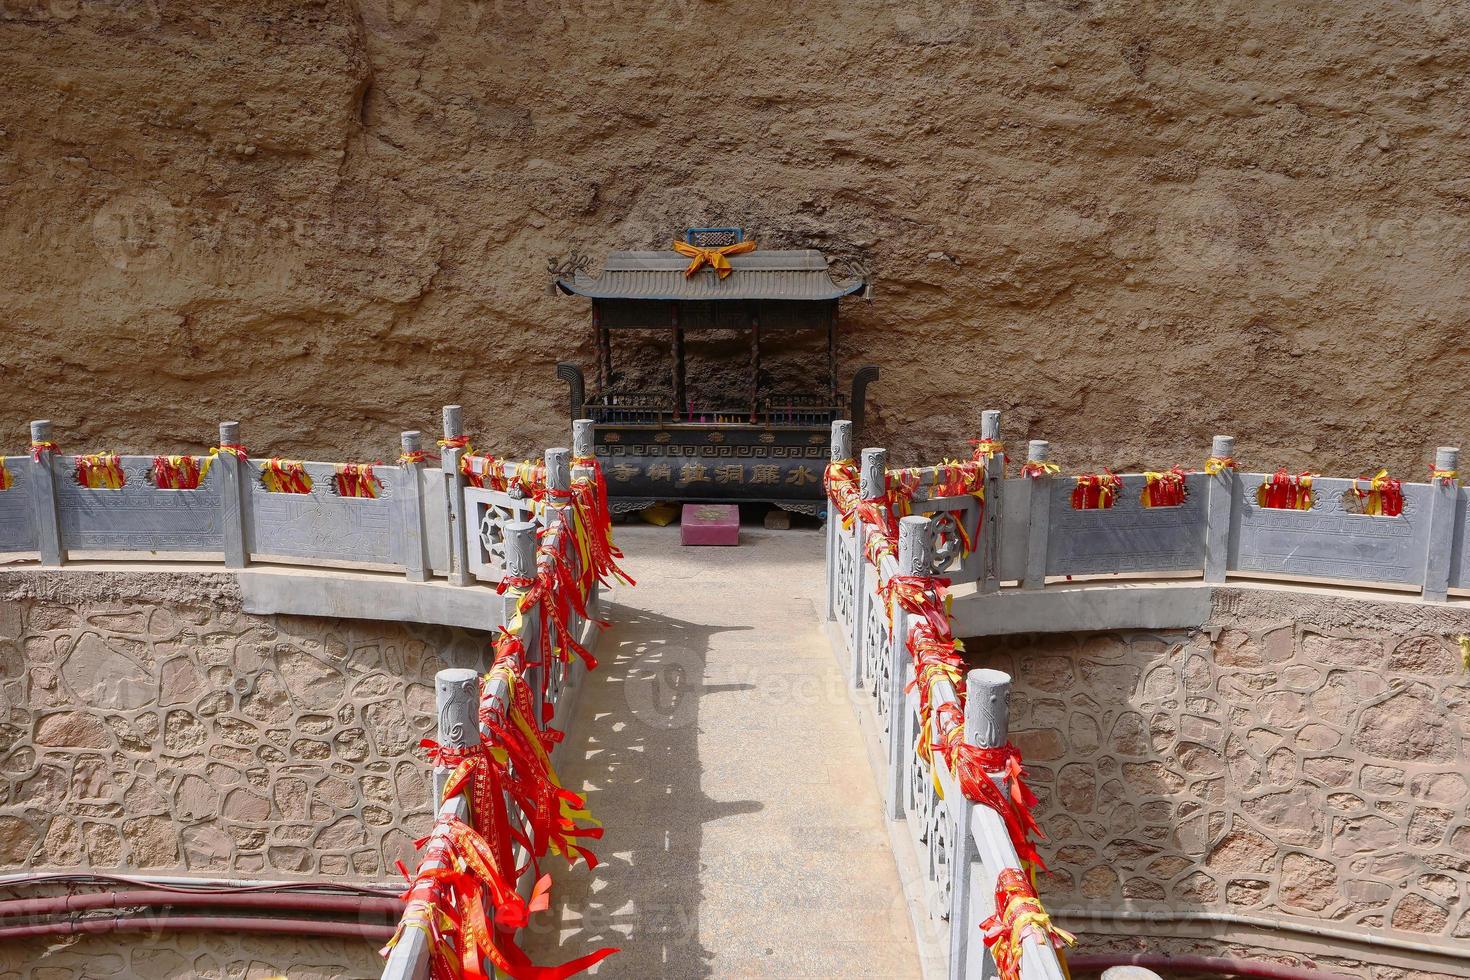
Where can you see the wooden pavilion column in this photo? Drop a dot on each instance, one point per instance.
(679, 406)
(755, 365)
(832, 356)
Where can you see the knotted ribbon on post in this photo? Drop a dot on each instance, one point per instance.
(1018, 916)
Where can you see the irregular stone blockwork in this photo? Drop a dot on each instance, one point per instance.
(181, 734)
(213, 956)
(1309, 760)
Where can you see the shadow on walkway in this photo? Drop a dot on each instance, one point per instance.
(634, 751)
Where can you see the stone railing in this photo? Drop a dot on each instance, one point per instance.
(1014, 546)
(501, 530)
(423, 521)
(961, 848)
(464, 700)
(1032, 534)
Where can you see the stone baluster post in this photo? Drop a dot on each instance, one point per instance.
(841, 451)
(584, 446)
(558, 482)
(1218, 507)
(1129, 971)
(915, 557)
(460, 527)
(234, 496)
(987, 721)
(990, 546)
(413, 551)
(43, 495)
(520, 563)
(457, 697)
(1443, 496)
(872, 483)
(1039, 524)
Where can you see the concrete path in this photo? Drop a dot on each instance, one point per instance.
(717, 744)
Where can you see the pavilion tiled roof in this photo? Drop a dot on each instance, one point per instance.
(796, 274)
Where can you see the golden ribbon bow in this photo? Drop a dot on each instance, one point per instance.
(715, 257)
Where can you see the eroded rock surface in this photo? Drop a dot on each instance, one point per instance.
(1126, 226)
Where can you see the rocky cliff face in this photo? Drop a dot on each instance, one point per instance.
(1128, 226)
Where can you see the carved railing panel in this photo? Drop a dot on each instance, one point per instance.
(321, 525)
(1127, 537)
(17, 509)
(847, 564)
(1460, 554)
(1328, 541)
(137, 516)
(487, 512)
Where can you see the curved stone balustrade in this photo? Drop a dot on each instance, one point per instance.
(1239, 748)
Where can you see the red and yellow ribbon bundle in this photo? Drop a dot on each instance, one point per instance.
(972, 766)
(556, 818)
(6, 480)
(1444, 478)
(491, 475)
(356, 480)
(1164, 489)
(1035, 469)
(529, 479)
(1219, 464)
(987, 449)
(285, 476)
(37, 448)
(715, 258)
(1018, 916)
(882, 525)
(589, 500)
(1383, 497)
(953, 478)
(100, 471)
(841, 480)
(1095, 491)
(464, 898)
(1285, 491)
(179, 472)
(553, 594)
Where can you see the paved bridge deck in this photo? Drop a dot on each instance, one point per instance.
(744, 835)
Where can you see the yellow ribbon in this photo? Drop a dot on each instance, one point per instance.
(1034, 468)
(1219, 464)
(714, 257)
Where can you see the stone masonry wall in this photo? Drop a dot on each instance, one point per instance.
(190, 956)
(1304, 757)
(147, 724)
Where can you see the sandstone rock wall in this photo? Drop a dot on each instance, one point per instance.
(1306, 758)
(182, 734)
(1127, 225)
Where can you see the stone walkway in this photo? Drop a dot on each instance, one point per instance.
(717, 744)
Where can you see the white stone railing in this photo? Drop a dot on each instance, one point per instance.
(1031, 534)
(961, 848)
(424, 522)
(1028, 533)
(459, 697)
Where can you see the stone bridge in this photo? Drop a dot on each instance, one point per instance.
(1266, 766)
